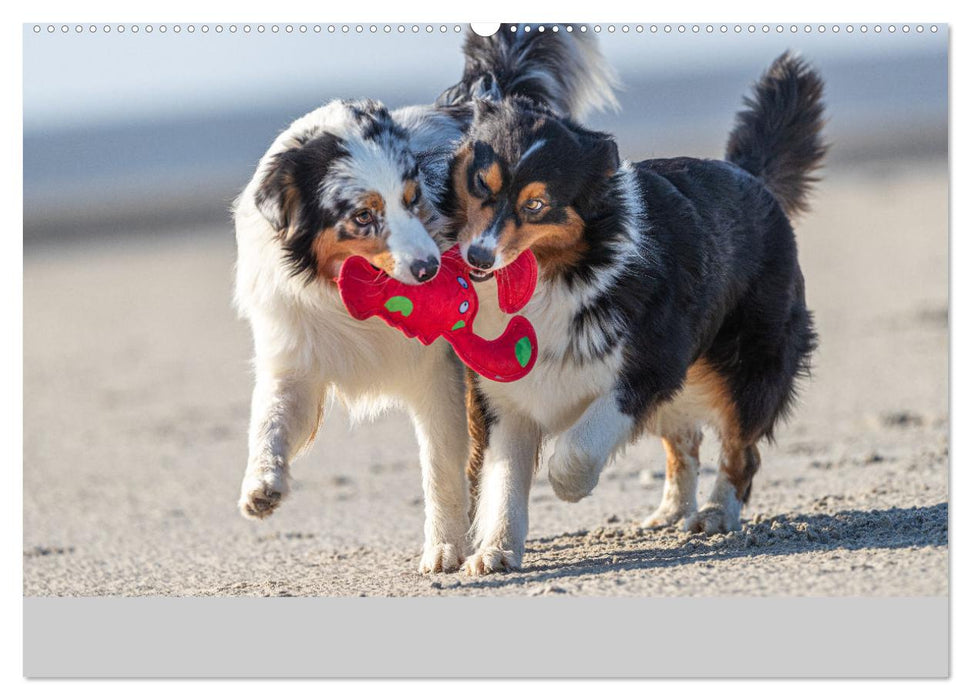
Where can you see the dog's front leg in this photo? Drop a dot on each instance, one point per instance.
(502, 511)
(438, 410)
(582, 451)
(284, 416)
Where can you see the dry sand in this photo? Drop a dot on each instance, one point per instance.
(136, 388)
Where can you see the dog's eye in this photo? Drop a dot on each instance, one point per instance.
(363, 217)
(481, 185)
(534, 205)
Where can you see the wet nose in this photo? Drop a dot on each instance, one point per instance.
(480, 257)
(424, 270)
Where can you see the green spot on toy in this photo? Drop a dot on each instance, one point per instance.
(524, 351)
(402, 305)
(458, 324)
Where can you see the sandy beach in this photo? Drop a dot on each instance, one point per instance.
(136, 401)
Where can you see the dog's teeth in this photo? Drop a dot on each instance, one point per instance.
(478, 276)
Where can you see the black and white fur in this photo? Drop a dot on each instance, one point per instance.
(304, 202)
(679, 304)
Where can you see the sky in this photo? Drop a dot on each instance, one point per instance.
(171, 125)
(73, 79)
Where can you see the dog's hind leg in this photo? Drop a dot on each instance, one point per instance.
(438, 411)
(751, 371)
(709, 386)
(285, 413)
(680, 498)
(723, 512)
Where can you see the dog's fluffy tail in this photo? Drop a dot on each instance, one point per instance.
(563, 71)
(777, 135)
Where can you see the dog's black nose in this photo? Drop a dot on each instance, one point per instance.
(424, 270)
(480, 257)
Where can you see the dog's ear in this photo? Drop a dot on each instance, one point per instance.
(599, 160)
(484, 108)
(278, 196)
(291, 178)
(600, 155)
(486, 89)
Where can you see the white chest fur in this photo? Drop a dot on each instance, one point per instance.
(557, 391)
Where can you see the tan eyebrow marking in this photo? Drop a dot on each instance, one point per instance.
(373, 201)
(408, 196)
(493, 177)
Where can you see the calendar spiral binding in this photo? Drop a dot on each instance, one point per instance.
(425, 29)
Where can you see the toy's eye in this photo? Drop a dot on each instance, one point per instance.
(363, 217)
(463, 307)
(534, 205)
(463, 283)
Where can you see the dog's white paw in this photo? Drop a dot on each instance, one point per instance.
(573, 472)
(489, 560)
(665, 515)
(262, 492)
(440, 558)
(714, 518)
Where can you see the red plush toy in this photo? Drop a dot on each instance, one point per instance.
(446, 306)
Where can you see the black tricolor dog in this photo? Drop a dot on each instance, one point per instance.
(670, 297)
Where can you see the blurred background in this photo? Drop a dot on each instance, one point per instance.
(128, 131)
(137, 373)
